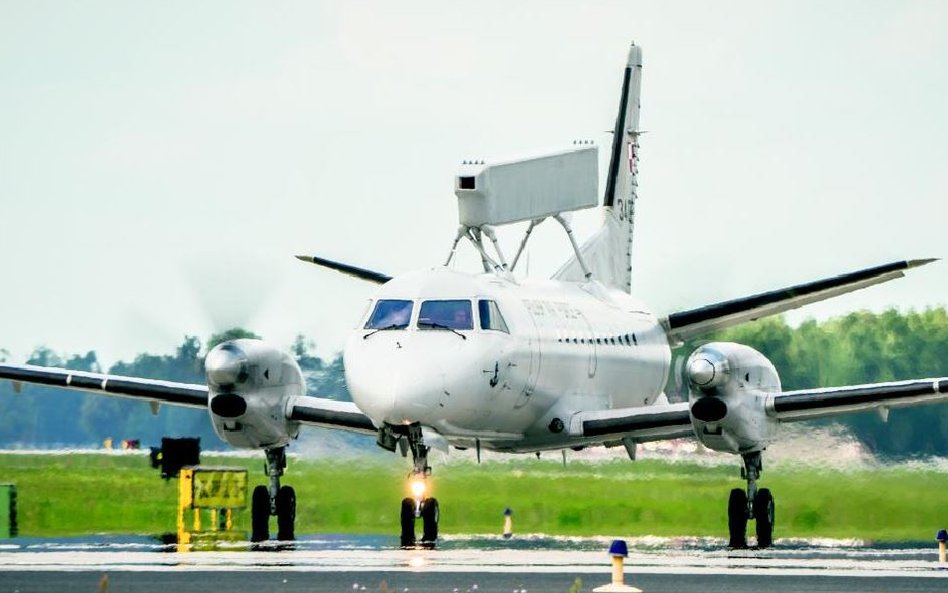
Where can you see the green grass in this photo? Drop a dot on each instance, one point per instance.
(85, 493)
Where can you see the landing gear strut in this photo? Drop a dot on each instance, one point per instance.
(419, 505)
(279, 501)
(752, 504)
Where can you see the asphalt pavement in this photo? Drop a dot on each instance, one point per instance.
(191, 581)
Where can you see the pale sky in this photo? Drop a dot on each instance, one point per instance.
(161, 163)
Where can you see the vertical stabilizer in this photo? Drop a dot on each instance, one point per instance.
(608, 254)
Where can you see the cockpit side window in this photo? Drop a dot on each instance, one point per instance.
(390, 314)
(491, 317)
(365, 313)
(445, 314)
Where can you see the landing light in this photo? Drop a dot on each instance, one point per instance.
(418, 488)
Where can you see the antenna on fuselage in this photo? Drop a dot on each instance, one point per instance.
(528, 189)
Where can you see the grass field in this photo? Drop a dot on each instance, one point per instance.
(87, 493)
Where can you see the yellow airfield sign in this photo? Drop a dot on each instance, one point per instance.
(216, 488)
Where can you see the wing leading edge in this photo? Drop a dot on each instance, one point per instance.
(685, 325)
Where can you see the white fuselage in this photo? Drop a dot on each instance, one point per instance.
(567, 348)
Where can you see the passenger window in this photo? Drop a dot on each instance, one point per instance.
(491, 317)
(390, 314)
(445, 315)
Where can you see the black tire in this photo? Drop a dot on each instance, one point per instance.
(737, 519)
(286, 514)
(408, 522)
(430, 514)
(260, 514)
(764, 513)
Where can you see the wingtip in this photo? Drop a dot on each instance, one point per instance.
(305, 258)
(914, 263)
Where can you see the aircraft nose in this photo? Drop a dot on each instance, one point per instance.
(395, 388)
(226, 366)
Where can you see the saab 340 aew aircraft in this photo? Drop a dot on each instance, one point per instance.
(447, 358)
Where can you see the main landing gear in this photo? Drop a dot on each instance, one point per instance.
(276, 500)
(752, 504)
(418, 505)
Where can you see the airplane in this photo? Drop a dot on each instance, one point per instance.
(484, 360)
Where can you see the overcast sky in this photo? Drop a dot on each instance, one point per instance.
(161, 163)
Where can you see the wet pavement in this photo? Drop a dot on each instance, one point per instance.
(464, 563)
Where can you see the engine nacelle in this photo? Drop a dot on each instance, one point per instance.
(250, 385)
(729, 385)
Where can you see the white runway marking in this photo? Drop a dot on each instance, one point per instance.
(469, 555)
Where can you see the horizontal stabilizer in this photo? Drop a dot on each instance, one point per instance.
(360, 273)
(806, 404)
(685, 325)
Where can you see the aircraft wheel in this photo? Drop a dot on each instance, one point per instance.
(408, 522)
(430, 515)
(260, 514)
(286, 513)
(737, 518)
(764, 510)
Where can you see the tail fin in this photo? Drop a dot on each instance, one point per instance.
(608, 254)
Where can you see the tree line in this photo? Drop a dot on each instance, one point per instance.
(860, 347)
(46, 417)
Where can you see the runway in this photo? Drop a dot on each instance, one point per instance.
(464, 563)
(406, 582)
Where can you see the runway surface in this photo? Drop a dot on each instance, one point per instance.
(405, 582)
(480, 564)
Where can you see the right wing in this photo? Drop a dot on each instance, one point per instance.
(329, 413)
(315, 411)
(152, 390)
(685, 325)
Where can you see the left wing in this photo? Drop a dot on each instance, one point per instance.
(652, 423)
(660, 422)
(685, 325)
(806, 404)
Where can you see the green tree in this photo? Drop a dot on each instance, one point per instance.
(234, 333)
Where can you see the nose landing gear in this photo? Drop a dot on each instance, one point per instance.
(419, 505)
(752, 504)
(276, 500)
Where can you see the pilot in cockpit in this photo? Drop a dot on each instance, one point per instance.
(462, 318)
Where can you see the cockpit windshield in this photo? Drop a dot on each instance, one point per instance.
(390, 314)
(446, 315)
